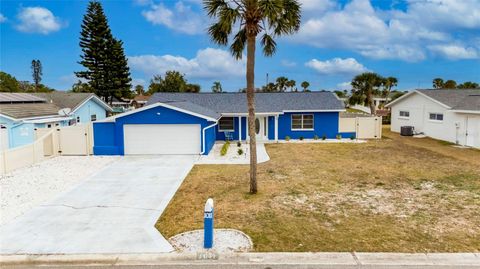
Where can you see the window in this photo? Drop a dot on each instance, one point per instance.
(436, 116)
(78, 119)
(93, 117)
(302, 122)
(49, 125)
(404, 114)
(226, 124)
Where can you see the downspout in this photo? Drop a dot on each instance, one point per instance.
(203, 136)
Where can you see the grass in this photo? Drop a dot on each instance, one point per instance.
(398, 194)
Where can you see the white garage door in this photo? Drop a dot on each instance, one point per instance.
(162, 139)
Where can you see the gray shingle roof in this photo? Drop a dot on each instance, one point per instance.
(16, 97)
(456, 99)
(65, 99)
(29, 110)
(195, 108)
(264, 102)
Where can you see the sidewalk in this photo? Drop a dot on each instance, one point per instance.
(249, 260)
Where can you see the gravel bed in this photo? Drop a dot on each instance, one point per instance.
(224, 241)
(25, 188)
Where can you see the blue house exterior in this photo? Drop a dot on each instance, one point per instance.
(21, 113)
(221, 117)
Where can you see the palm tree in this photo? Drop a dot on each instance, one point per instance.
(367, 85)
(438, 83)
(291, 84)
(450, 84)
(388, 84)
(305, 85)
(268, 18)
(217, 87)
(282, 84)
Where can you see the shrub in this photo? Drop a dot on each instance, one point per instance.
(224, 149)
(240, 151)
(352, 137)
(301, 138)
(315, 137)
(339, 136)
(324, 137)
(287, 138)
(239, 144)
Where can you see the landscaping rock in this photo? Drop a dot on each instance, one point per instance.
(225, 241)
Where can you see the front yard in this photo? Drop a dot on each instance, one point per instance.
(393, 195)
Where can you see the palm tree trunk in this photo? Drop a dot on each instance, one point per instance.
(371, 103)
(251, 111)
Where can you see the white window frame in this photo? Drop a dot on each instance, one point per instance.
(403, 117)
(302, 128)
(226, 130)
(436, 116)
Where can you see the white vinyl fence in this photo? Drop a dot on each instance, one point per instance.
(49, 142)
(364, 127)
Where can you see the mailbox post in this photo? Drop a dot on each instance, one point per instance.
(208, 224)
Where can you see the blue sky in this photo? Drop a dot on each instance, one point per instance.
(413, 40)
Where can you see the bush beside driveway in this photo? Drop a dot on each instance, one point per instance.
(393, 195)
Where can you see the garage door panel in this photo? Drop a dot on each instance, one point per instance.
(144, 139)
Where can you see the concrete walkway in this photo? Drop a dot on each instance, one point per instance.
(114, 211)
(232, 157)
(205, 260)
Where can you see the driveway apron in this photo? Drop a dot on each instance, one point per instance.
(114, 211)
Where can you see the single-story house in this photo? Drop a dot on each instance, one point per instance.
(190, 123)
(22, 113)
(449, 115)
(139, 100)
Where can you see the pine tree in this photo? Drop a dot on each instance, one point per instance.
(103, 57)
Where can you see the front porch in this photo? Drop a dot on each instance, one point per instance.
(235, 127)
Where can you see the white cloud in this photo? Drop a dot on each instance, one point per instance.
(180, 18)
(455, 52)
(2, 18)
(37, 20)
(391, 34)
(288, 63)
(337, 66)
(209, 63)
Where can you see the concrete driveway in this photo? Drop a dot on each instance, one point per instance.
(114, 211)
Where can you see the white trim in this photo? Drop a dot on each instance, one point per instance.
(422, 94)
(276, 128)
(48, 120)
(467, 111)
(228, 114)
(203, 137)
(102, 103)
(113, 118)
(8, 117)
(240, 129)
(299, 130)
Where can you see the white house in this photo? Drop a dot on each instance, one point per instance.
(449, 115)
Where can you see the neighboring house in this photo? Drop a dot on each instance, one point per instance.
(190, 123)
(449, 115)
(140, 100)
(119, 105)
(21, 113)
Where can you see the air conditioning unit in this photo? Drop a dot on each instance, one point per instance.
(406, 130)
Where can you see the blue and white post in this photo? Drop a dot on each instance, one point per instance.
(208, 224)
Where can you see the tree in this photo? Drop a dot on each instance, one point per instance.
(468, 85)
(438, 83)
(173, 81)
(341, 94)
(80, 86)
(139, 90)
(270, 87)
(8, 83)
(254, 17)
(217, 87)
(305, 85)
(282, 84)
(107, 71)
(291, 84)
(195, 88)
(388, 84)
(450, 84)
(365, 86)
(36, 73)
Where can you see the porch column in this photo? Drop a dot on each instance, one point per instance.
(239, 128)
(276, 128)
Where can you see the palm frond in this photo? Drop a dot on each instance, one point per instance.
(212, 6)
(269, 45)
(289, 20)
(238, 44)
(217, 34)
